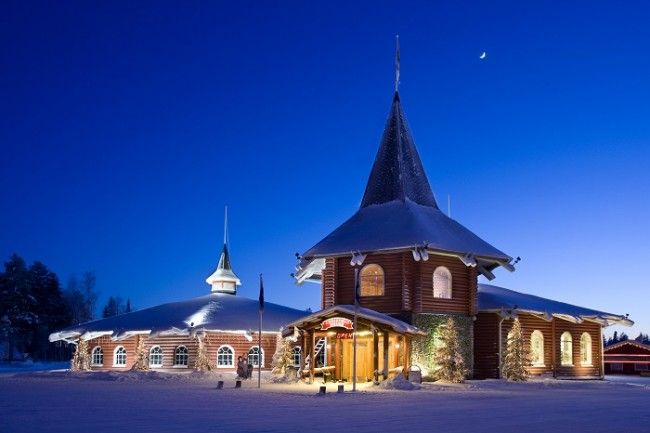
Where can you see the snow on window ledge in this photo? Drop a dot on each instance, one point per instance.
(567, 365)
(225, 366)
(155, 365)
(119, 365)
(587, 365)
(179, 366)
(97, 365)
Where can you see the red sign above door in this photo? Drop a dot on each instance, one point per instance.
(336, 322)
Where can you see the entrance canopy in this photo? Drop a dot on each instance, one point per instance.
(364, 316)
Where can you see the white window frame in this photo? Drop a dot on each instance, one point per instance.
(260, 354)
(586, 349)
(115, 354)
(232, 356)
(296, 352)
(92, 357)
(364, 277)
(537, 334)
(187, 357)
(564, 348)
(152, 364)
(442, 292)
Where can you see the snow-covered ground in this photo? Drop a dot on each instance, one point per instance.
(157, 402)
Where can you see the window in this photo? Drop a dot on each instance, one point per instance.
(585, 349)
(616, 367)
(97, 357)
(155, 357)
(640, 367)
(372, 281)
(566, 349)
(254, 356)
(119, 357)
(442, 283)
(297, 353)
(225, 357)
(537, 348)
(321, 356)
(180, 356)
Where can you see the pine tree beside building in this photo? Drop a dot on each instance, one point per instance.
(516, 356)
(448, 355)
(282, 362)
(202, 358)
(81, 358)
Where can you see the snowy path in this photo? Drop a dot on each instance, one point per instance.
(50, 403)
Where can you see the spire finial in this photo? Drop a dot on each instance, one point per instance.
(225, 225)
(396, 63)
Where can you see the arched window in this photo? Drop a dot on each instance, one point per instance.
(537, 348)
(585, 350)
(442, 283)
(155, 357)
(181, 356)
(254, 356)
(225, 357)
(119, 357)
(297, 353)
(97, 357)
(371, 280)
(566, 349)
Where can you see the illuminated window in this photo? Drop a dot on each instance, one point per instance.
(537, 348)
(442, 283)
(181, 356)
(119, 357)
(97, 357)
(225, 357)
(297, 354)
(254, 356)
(566, 349)
(155, 357)
(372, 281)
(585, 349)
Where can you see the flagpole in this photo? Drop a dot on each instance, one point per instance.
(354, 330)
(259, 336)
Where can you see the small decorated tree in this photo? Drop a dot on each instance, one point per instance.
(282, 362)
(141, 363)
(202, 362)
(81, 357)
(448, 355)
(516, 357)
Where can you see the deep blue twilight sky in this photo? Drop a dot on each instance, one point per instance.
(124, 130)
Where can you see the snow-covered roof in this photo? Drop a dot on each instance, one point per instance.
(635, 343)
(398, 210)
(213, 312)
(362, 313)
(498, 299)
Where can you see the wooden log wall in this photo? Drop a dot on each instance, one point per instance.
(168, 344)
(486, 358)
(408, 285)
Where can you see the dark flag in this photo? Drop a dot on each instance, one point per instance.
(357, 290)
(261, 294)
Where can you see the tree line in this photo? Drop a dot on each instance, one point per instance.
(617, 338)
(33, 305)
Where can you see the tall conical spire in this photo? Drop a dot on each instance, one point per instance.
(397, 173)
(224, 280)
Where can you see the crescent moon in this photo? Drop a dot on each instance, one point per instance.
(483, 55)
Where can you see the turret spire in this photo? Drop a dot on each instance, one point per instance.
(224, 280)
(396, 63)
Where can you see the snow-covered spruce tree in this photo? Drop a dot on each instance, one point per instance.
(282, 362)
(202, 362)
(141, 362)
(448, 356)
(516, 356)
(81, 357)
